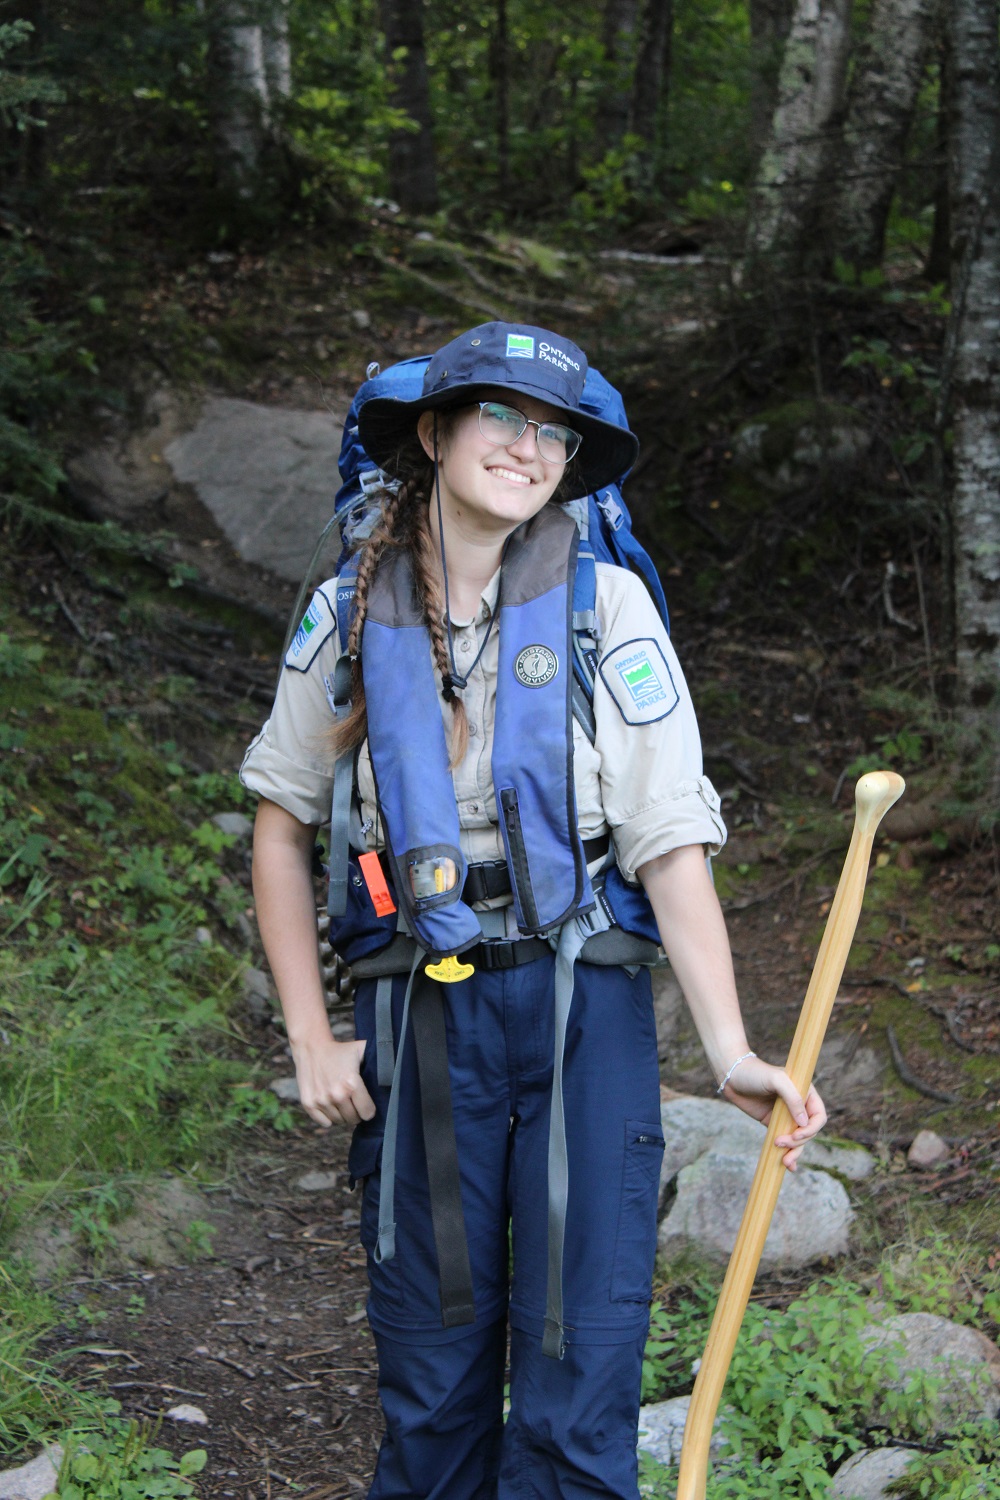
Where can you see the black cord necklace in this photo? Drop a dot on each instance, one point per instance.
(454, 680)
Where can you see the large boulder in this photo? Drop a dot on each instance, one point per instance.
(964, 1362)
(866, 1474)
(811, 1220)
(268, 475)
(661, 1431)
(801, 443)
(692, 1126)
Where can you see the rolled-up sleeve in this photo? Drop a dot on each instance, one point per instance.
(655, 794)
(289, 761)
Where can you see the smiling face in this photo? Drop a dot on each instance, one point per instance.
(486, 488)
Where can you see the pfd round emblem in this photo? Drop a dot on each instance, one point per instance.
(535, 666)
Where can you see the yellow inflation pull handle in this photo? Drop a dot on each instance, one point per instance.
(449, 970)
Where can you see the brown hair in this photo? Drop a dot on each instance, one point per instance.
(404, 523)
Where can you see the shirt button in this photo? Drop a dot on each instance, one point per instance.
(466, 646)
(474, 729)
(473, 806)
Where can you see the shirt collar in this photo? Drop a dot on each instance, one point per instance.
(487, 603)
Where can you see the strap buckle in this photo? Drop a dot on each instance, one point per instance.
(498, 953)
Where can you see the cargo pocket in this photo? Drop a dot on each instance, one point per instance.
(635, 1243)
(364, 1164)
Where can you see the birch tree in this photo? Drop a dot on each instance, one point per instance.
(770, 21)
(412, 168)
(251, 59)
(974, 354)
(880, 104)
(794, 167)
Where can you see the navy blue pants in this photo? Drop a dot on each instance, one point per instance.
(572, 1426)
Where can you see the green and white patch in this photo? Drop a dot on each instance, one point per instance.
(520, 346)
(637, 676)
(318, 624)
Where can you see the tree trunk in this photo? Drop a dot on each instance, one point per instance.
(277, 53)
(938, 267)
(880, 104)
(241, 96)
(618, 43)
(500, 67)
(651, 68)
(974, 347)
(412, 169)
(794, 167)
(770, 21)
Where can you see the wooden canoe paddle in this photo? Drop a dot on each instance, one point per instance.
(874, 795)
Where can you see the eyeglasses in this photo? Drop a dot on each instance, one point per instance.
(504, 425)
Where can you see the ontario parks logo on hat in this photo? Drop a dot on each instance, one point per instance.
(520, 346)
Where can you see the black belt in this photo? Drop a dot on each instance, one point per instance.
(486, 881)
(502, 953)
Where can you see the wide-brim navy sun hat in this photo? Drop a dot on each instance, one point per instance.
(514, 357)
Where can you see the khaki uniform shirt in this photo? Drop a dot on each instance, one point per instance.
(642, 779)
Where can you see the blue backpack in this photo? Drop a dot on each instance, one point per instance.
(603, 520)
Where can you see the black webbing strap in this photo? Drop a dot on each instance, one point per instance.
(441, 1151)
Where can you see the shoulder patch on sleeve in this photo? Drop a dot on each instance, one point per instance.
(638, 678)
(318, 624)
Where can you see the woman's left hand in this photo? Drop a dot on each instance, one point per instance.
(754, 1087)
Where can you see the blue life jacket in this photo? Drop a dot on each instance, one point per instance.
(535, 794)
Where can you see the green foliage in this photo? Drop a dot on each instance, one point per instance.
(122, 1464)
(117, 1058)
(967, 1469)
(33, 1400)
(792, 1412)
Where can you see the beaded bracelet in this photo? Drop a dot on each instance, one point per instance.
(732, 1070)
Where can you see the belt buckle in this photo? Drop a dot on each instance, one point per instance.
(498, 953)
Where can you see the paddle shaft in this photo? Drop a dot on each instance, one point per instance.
(874, 795)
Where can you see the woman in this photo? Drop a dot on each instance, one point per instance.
(528, 1096)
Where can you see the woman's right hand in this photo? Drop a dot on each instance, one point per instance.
(329, 1079)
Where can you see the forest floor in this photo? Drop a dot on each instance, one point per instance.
(267, 1334)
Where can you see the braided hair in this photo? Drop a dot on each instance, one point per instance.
(403, 523)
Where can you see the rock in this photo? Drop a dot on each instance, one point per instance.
(668, 1007)
(963, 1360)
(845, 1067)
(661, 1431)
(32, 1480)
(51, 1250)
(235, 823)
(843, 1157)
(203, 936)
(258, 994)
(865, 1475)
(360, 318)
(800, 443)
(928, 1150)
(253, 467)
(692, 1126)
(155, 1233)
(286, 1089)
(811, 1221)
(184, 1413)
(316, 1182)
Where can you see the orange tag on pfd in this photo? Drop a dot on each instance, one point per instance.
(371, 869)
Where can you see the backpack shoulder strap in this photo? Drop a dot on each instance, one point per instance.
(585, 638)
